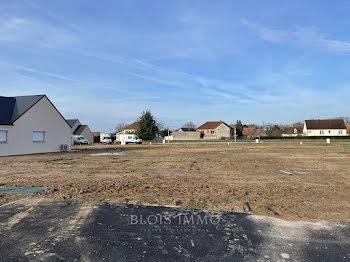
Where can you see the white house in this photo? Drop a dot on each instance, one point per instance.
(292, 131)
(81, 130)
(328, 127)
(131, 129)
(31, 124)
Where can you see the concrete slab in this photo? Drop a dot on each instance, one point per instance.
(35, 229)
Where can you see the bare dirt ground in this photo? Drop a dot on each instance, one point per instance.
(240, 178)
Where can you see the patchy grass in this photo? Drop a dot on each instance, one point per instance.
(246, 178)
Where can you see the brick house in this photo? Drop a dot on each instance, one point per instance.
(215, 130)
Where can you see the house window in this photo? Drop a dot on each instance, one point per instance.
(329, 131)
(321, 132)
(38, 136)
(340, 132)
(213, 131)
(3, 136)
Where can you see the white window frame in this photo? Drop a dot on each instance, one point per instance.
(38, 141)
(6, 133)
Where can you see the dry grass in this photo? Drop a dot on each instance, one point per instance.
(243, 178)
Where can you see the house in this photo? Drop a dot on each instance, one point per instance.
(30, 125)
(215, 130)
(81, 130)
(95, 134)
(185, 129)
(328, 127)
(252, 132)
(248, 131)
(258, 133)
(348, 129)
(131, 129)
(292, 131)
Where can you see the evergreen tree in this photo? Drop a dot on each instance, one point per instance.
(239, 128)
(148, 127)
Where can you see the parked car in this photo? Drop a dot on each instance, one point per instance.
(129, 139)
(80, 140)
(106, 141)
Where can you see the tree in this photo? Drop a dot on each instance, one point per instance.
(148, 127)
(274, 131)
(190, 125)
(164, 132)
(239, 128)
(120, 127)
(346, 120)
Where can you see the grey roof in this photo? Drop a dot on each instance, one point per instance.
(12, 108)
(71, 122)
(6, 108)
(80, 129)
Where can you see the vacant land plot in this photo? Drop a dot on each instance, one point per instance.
(243, 178)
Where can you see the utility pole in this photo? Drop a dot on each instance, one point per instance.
(168, 136)
(235, 135)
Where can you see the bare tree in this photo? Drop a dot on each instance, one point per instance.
(120, 127)
(190, 125)
(346, 120)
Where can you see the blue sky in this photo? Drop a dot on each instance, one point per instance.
(105, 61)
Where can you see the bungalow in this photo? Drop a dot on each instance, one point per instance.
(131, 129)
(81, 130)
(32, 124)
(329, 127)
(216, 130)
(292, 131)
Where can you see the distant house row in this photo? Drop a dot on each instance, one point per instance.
(220, 130)
(32, 124)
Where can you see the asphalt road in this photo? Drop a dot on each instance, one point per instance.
(36, 229)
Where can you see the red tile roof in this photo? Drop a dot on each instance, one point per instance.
(348, 128)
(96, 133)
(247, 131)
(211, 125)
(257, 132)
(133, 126)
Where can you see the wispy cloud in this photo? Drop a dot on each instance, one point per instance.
(305, 37)
(29, 32)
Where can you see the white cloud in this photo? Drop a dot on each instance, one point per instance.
(305, 37)
(33, 32)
